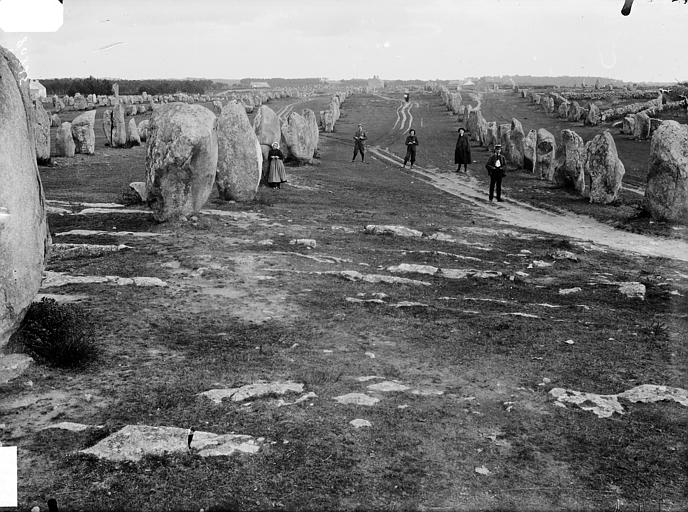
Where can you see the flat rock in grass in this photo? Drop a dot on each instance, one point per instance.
(56, 279)
(377, 229)
(604, 406)
(302, 398)
(632, 290)
(427, 392)
(367, 378)
(12, 366)
(409, 304)
(71, 426)
(650, 393)
(90, 232)
(482, 470)
(361, 301)
(256, 390)
(413, 268)
(352, 275)
(569, 291)
(60, 299)
(356, 399)
(360, 423)
(306, 242)
(388, 386)
(564, 255)
(456, 273)
(84, 250)
(134, 442)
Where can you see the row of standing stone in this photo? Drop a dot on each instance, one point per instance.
(591, 169)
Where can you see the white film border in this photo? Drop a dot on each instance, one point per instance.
(31, 15)
(8, 476)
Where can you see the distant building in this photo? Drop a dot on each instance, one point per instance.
(468, 85)
(260, 85)
(454, 85)
(37, 90)
(375, 84)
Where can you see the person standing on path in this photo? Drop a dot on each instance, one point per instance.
(496, 168)
(189, 437)
(277, 174)
(359, 142)
(462, 153)
(411, 145)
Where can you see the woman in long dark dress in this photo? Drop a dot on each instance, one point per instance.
(276, 173)
(462, 153)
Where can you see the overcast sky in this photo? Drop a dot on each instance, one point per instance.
(396, 39)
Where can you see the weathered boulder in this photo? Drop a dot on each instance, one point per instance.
(515, 145)
(574, 112)
(654, 124)
(24, 235)
(570, 163)
(666, 194)
(641, 128)
(64, 141)
(266, 126)
(140, 188)
(604, 168)
(240, 160)
(55, 121)
(119, 127)
(107, 126)
(593, 118)
(83, 133)
(298, 138)
(42, 133)
(503, 131)
(563, 110)
(545, 157)
(329, 121)
(491, 135)
(181, 159)
(133, 139)
(312, 123)
(628, 125)
(143, 130)
(529, 145)
(472, 122)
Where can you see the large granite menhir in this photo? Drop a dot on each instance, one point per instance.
(240, 160)
(181, 159)
(24, 236)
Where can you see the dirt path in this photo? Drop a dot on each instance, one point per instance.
(527, 216)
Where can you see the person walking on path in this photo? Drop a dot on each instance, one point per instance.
(411, 145)
(462, 153)
(276, 172)
(496, 168)
(359, 142)
(189, 437)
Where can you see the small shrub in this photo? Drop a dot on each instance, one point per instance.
(57, 334)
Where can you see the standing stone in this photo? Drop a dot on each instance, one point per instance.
(240, 160)
(628, 125)
(83, 133)
(593, 117)
(515, 144)
(80, 102)
(604, 168)
(570, 166)
(119, 127)
(266, 126)
(312, 123)
(545, 157)
(132, 110)
(529, 150)
(491, 136)
(329, 121)
(298, 138)
(666, 195)
(64, 141)
(181, 159)
(133, 139)
(55, 121)
(563, 110)
(574, 112)
(24, 236)
(115, 89)
(504, 130)
(641, 128)
(42, 134)
(107, 126)
(143, 130)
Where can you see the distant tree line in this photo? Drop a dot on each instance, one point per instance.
(92, 85)
(281, 82)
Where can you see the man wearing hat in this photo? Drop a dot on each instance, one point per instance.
(359, 142)
(496, 168)
(462, 153)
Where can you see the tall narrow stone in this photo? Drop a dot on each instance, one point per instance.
(604, 168)
(545, 158)
(64, 141)
(83, 133)
(570, 165)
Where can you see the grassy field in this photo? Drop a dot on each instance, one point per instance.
(239, 308)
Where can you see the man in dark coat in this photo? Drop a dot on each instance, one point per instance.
(496, 168)
(359, 142)
(462, 153)
(411, 145)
